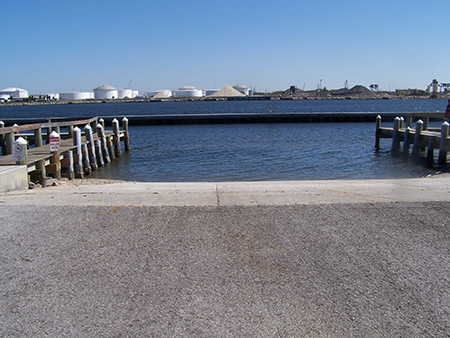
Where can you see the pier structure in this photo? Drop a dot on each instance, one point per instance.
(31, 152)
(420, 142)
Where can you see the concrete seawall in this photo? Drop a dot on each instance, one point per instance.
(224, 118)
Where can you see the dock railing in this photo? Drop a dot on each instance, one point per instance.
(424, 140)
(79, 150)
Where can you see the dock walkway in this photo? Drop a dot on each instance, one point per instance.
(75, 155)
(424, 140)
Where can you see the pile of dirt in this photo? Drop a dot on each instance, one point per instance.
(356, 91)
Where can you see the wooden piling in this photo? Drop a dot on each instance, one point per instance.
(116, 137)
(78, 162)
(54, 168)
(430, 152)
(38, 137)
(109, 145)
(126, 134)
(9, 143)
(406, 141)
(443, 149)
(377, 132)
(417, 138)
(98, 153)
(2, 139)
(91, 147)
(102, 138)
(67, 164)
(395, 149)
(86, 162)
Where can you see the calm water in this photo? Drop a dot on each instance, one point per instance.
(295, 151)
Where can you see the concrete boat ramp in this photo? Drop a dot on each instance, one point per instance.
(257, 259)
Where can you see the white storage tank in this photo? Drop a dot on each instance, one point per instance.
(76, 96)
(188, 91)
(124, 93)
(106, 92)
(15, 93)
(243, 89)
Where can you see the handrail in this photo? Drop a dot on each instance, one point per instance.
(25, 127)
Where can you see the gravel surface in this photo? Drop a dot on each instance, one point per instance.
(334, 270)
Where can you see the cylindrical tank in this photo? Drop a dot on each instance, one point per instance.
(15, 93)
(124, 93)
(106, 92)
(243, 89)
(188, 91)
(76, 96)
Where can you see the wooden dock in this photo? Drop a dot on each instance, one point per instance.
(82, 146)
(421, 141)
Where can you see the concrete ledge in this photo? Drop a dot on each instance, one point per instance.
(13, 177)
(221, 194)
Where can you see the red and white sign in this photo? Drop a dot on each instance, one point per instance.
(54, 141)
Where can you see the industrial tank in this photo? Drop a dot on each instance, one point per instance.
(76, 96)
(243, 89)
(15, 93)
(124, 93)
(188, 91)
(106, 92)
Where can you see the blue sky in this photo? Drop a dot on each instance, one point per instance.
(58, 46)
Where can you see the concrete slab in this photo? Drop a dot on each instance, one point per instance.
(237, 193)
(13, 177)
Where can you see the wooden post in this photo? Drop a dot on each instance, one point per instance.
(102, 122)
(38, 137)
(126, 134)
(109, 145)
(20, 151)
(78, 164)
(402, 122)
(406, 141)
(395, 149)
(409, 121)
(377, 132)
(102, 138)
(86, 163)
(9, 143)
(67, 163)
(70, 131)
(91, 146)
(55, 162)
(40, 168)
(426, 121)
(98, 150)
(443, 150)
(49, 131)
(430, 152)
(417, 139)
(116, 137)
(2, 139)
